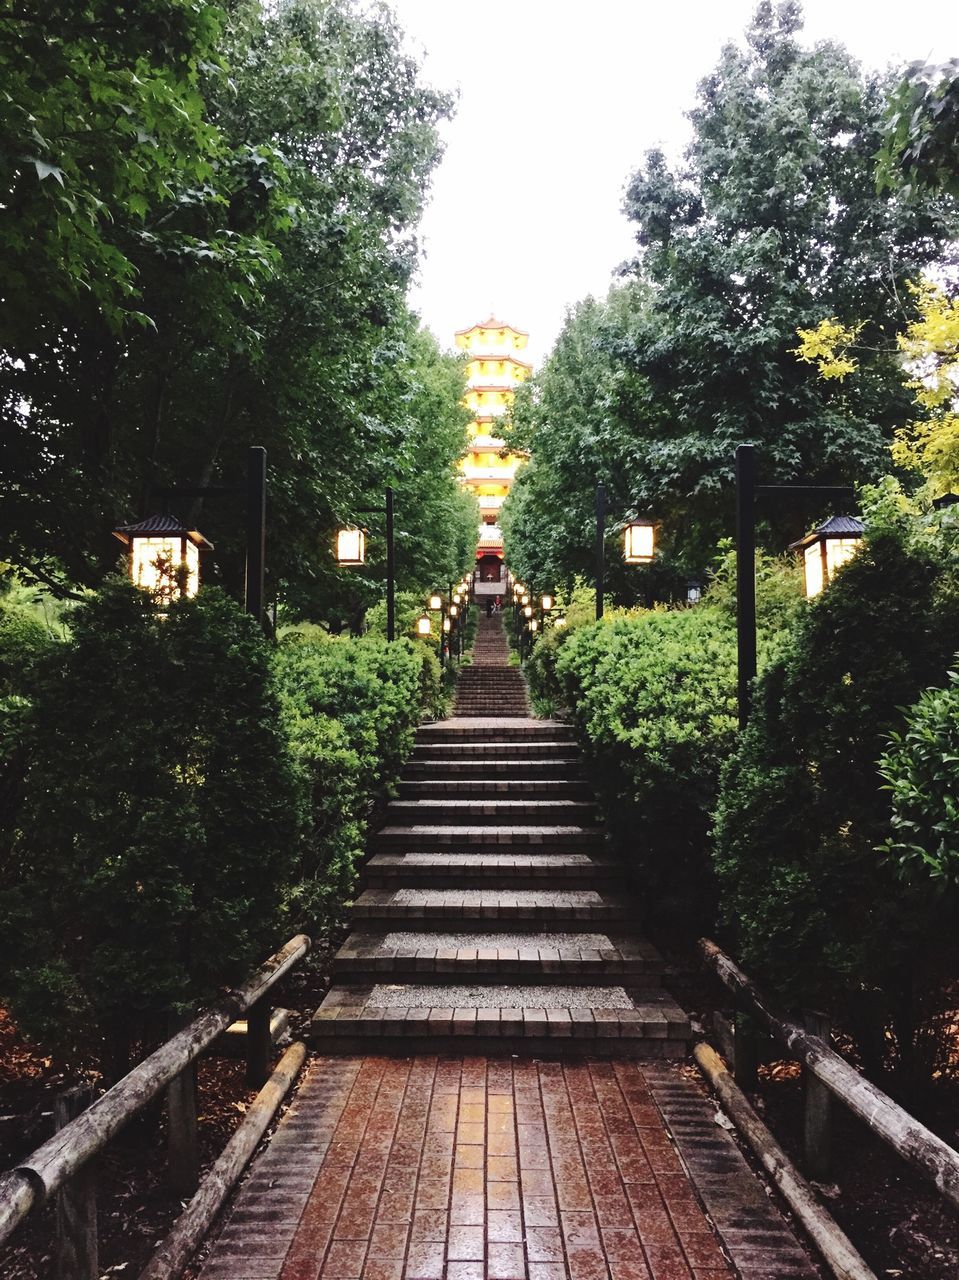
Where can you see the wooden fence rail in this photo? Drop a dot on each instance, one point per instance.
(57, 1161)
(916, 1144)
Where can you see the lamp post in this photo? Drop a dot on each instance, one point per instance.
(351, 550)
(747, 491)
(600, 547)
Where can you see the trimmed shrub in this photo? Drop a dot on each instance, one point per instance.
(809, 905)
(351, 709)
(159, 822)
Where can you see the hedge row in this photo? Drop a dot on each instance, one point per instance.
(824, 840)
(176, 795)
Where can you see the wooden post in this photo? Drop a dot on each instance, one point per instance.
(746, 1053)
(77, 1253)
(259, 1043)
(817, 1120)
(183, 1144)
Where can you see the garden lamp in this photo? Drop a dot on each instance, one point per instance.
(827, 549)
(164, 557)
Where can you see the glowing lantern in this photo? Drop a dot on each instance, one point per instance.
(423, 625)
(351, 546)
(547, 603)
(694, 592)
(560, 620)
(457, 597)
(454, 610)
(533, 624)
(436, 602)
(639, 545)
(519, 589)
(528, 610)
(524, 599)
(164, 557)
(446, 625)
(827, 549)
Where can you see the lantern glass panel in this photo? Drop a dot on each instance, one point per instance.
(351, 546)
(446, 625)
(533, 624)
(168, 566)
(454, 610)
(436, 602)
(839, 551)
(547, 603)
(528, 611)
(812, 569)
(423, 626)
(639, 542)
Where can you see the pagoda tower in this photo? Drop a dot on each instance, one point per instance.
(493, 372)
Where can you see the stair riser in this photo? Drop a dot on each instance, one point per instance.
(488, 878)
(560, 921)
(481, 789)
(549, 1050)
(438, 753)
(508, 733)
(569, 972)
(476, 841)
(525, 814)
(491, 770)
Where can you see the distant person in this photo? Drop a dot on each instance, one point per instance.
(498, 604)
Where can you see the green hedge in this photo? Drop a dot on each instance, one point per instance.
(180, 796)
(809, 904)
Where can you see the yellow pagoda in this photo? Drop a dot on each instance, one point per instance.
(493, 371)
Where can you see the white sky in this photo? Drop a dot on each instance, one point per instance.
(559, 101)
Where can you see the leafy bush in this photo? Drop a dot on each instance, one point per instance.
(351, 708)
(922, 774)
(159, 821)
(810, 906)
(653, 699)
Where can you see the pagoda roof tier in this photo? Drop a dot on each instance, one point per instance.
(501, 388)
(504, 356)
(492, 323)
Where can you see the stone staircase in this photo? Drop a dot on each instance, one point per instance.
(491, 917)
(491, 687)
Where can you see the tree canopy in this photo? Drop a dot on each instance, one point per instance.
(772, 223)
(212, 244)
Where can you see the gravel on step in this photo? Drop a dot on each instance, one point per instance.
(512, 997)
(521, 897)
(404, 942)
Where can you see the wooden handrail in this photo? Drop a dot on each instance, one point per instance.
(916, 1144)
(60, 1157)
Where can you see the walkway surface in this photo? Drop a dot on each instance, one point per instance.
(501, 1090)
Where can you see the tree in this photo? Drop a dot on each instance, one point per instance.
(920, 151)
(771, 225)
(325, 138)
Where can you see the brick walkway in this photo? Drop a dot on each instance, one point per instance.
(460, 1169)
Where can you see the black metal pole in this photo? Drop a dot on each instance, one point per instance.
(745, 575)
(390, 570)
(255, 531)
(600, 547)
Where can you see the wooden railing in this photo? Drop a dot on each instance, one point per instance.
(58, 1166)
(826, 1073)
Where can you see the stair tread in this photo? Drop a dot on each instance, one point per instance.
(549, 946)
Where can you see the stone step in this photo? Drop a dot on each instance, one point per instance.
(491, 811)
(417, 956)
(496, 909)
(439, 751)
(492, 727)
(526, 788)
(488, 870)
(613, 1021)
(556, 838)
(564, 767)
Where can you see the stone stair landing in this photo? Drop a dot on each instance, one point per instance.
(491, 917)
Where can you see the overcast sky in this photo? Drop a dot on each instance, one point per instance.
(559, 101)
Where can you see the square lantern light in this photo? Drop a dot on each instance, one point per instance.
(694, 591)
(436, 601)
(547, 603)
(533, 625)
(639, 541)
(827, 549)
(164, 557)
(527, 610)
(447, 625)
(424, 626)
(454, 610)
(351, 546)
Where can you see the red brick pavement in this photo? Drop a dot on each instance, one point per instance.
(469, 1169)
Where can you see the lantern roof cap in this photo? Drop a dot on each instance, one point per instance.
(834, 527)
(170, 526)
